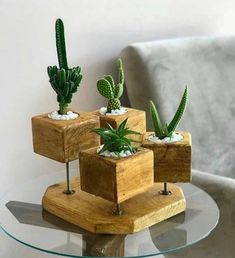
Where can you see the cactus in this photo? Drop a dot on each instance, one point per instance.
(107, 88)
(115, 140)
(162, 131)
(65, 81)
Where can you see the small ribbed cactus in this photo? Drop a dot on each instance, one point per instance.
(107, 88)
(162, 131)
(65, 81)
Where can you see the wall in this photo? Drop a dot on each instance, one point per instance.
(96, 31)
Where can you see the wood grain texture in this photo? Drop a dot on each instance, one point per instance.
(136, 122)
(116, 179)
(63, 140)
(95, 214)
(172, 161)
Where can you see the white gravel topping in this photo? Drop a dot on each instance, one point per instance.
(174, 138)
(107, 153)
(115, 112)
(56, 116)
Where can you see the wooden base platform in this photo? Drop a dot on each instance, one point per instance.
(96, 214)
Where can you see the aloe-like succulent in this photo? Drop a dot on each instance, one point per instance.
(115, 140)
(108, 89)
(64, 80)
(162, 131)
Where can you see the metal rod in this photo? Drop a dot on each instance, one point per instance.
(165, 187)
(68, 190)
(165, 191)
(118, 210)
(67, 176)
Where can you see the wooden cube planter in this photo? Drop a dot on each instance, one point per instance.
(63, 140)
(116, 179)
(136, 121)
(172, 161)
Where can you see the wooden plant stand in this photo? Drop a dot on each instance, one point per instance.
(96, 214)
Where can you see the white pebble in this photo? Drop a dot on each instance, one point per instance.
(128, 153)
(115, 112)
(56, 116)
(174, 138)
(113, 154)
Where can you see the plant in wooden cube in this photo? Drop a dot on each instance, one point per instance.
(116, 171)
(114, 113)
(172, 150)
(62, 134)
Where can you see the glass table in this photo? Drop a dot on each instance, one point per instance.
(23, 219)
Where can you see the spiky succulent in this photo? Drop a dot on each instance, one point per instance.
(115, 140)
(107, 88)
(64, 80)
(162, 131)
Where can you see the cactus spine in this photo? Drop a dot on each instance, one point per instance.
(162, 131)
(64, 80)
(107, 88)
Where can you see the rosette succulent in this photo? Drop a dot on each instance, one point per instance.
(116, 140)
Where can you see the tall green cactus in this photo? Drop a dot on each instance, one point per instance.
(162, 131)
(60, 44)
(65, 81)
(107, 88)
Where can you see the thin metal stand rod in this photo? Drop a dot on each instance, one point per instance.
(68, 190)
(165, 187)
(118, 210)
(67, 176)
(165, 191)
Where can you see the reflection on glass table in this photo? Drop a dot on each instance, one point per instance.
(22, 218)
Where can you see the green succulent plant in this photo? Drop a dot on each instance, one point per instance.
(165, 130)
(64, 80)
(115, 140)
(108, 89)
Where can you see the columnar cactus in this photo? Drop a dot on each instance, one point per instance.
(107, 88)
(64, 80)
(162, 131)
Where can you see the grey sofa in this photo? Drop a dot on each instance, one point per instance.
(159, 71)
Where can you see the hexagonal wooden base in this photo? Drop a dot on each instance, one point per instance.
(96, 214)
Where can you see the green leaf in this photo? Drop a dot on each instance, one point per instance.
(156, 120)
(179, 113)
(122, 125)
(127, 132)
(105, 89)
(110, 127)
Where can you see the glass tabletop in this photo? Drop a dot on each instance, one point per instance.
(22, 218)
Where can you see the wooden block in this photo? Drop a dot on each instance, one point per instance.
(172, 161)
(63, 140)
(116, 179)
(95, 214)
(136, 121)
